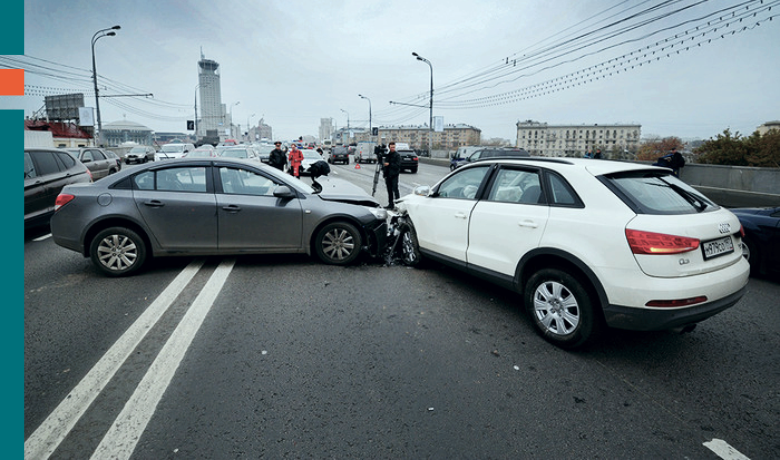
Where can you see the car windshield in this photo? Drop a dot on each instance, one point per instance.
(169, 148)
(138, 150)
(654, 193)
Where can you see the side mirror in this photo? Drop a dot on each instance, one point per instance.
(422, 190)
(283, 191)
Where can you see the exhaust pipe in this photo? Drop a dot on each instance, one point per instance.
(684, 329)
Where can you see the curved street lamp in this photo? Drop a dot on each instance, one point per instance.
(370, 130)
(430, 122)
(98, 35)
(232, 134)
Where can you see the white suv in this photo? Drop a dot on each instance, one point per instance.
(587, 243)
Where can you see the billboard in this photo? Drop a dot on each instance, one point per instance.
(64, 107)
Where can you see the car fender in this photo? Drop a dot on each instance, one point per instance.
(543, 257)
(95, 226)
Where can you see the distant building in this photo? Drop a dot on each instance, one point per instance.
(63, 134)
(541, 139)
(768, 126)
(118, 132)
(212, 110)
(326, 129)
(453, 136)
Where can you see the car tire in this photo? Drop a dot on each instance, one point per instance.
(408, 247)
(118, 251)
(414, 171)
(111, 171)
(338, 243)
(751, 254)
(562, 309)
(452, 167)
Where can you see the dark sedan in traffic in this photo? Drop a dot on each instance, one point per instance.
(761, 243)
(218, 206)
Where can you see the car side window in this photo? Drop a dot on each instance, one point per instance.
(516, 186)
(238, 181)
(66, 160)
(29, 167)
(561, 192)
(464, 184)
(97, 155)
(182, 179)
(47, 163)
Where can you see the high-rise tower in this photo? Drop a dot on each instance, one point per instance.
(212, 111)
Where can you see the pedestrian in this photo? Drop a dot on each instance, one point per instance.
(317, 169)
(296, 158)
(598, 155)
(277, 157)
(676, 162)
(589, 154)
(391, 168)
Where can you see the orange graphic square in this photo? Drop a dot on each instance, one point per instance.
(11, 82)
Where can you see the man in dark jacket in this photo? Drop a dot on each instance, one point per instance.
(277, 157)
(391, 168)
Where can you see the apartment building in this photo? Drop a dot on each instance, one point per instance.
(541, 139)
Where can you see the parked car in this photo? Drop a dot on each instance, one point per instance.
(46, 172)
(113, 156)
(174, 150)
(204, 151)
(761, 243)
(409, 160)
(587, 245)
(460, 155)
(364, 152)
(338, 155)
(96, 159)
(140, 154)
(245, 152)
(264, 152)
(241, 206)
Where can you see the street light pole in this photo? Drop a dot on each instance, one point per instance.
(370, 129)
(232, 134)
(430, 122)
(98, 35)
(247, 127)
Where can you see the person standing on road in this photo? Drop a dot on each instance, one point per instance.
(598, 155)
(296, 158)
(676, 161)
(277, 157)
(391, 168)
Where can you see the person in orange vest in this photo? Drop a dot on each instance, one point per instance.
(296, 158)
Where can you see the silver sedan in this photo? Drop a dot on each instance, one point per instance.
(214, 206)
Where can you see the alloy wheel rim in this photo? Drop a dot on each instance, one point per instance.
(338, 244)
(407, 246)
(117, 252)
(556, 308)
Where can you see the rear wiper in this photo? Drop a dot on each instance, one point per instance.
(699, 204)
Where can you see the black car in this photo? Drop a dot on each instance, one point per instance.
(339, 155)
(46, 172)
(409, 160)
(486, 153)
(761, 243)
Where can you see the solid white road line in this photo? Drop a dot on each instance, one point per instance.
(724, 450)
(121, 439)
(47, 437)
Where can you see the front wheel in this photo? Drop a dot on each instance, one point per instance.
(561, 308)
(338, 243)
(410, 249)
(118, 251)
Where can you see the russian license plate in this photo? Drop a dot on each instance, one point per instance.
(717, 247)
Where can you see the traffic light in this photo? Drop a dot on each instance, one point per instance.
(375, 131)
(190, 125)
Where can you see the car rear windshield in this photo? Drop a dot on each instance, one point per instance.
(657, 193)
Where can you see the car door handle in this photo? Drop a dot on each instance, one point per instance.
(232, 208)
(528, 223)
(460, 215)
(154, 204)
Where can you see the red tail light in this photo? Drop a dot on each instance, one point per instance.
(62, 200)
(677, 302)
(659, 243)
(91, 179)
(742, 231)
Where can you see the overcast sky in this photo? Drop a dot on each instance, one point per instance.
(494, 63)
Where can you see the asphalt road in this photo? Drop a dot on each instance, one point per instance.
(283, 357)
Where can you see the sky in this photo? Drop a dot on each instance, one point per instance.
(494, 63)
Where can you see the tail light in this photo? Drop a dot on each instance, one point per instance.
(91, 179)
(62, 200)
(659, 243)
(677, 302)
(742, 231)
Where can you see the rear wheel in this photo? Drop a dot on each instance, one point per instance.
(561, 308)
(338, 243)
(118, 251)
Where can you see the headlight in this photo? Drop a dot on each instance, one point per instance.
(379, 213)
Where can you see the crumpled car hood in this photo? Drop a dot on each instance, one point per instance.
(346, 192)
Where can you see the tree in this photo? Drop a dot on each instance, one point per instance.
(735, 150)
(653, 148)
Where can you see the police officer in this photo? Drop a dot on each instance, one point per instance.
(277, 158)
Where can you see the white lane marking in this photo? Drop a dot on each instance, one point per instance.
(42, 238)
(48, 436)
(724, 450)
(121, 439)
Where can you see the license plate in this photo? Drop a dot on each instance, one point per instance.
(717, 247)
